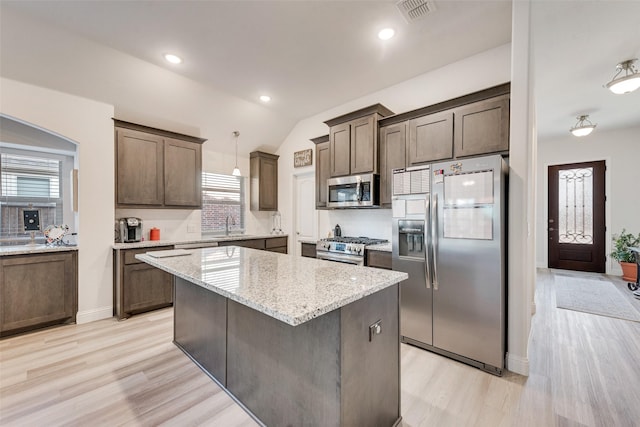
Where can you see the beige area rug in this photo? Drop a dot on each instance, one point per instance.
(593, 296)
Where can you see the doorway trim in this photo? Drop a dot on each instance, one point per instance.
(295, 249)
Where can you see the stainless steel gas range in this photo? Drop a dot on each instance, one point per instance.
(348, 250)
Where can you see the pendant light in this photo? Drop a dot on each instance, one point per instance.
(236, 170)
(627, 83)
(583, 127)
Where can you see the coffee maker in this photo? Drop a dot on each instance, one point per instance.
(130, 229)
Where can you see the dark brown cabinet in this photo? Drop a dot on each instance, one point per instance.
(139, 168)
(323, 170)
(147, 288)
(482, 127)
(276, 244)
(264, 181)
(430, 138)
(308, 250)
(340, 149)
(182, 173)
(157, 168)
(379, 259)
(392, 156)
(37, 290)
(139, 287)
(353, 141)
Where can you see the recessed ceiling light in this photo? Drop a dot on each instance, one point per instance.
(174, 59)
(265, 98)
(386, 33)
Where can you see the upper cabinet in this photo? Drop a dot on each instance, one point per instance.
(392, 156)
(482, 127)
(353, 141)
(157, 168)
(323, 170)
(430, 138)
(264, 181)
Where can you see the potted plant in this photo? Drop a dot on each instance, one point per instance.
(621, 253)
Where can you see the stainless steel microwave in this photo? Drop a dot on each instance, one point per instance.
(356, 191)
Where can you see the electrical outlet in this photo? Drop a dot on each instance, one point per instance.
(375, 329)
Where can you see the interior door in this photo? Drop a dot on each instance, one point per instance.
(576, 216)
(305, 209)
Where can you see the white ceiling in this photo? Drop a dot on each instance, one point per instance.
(576, 46)
(308, 55)
(311, 56)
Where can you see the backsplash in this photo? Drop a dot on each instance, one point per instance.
(174, 224)
(374, 223)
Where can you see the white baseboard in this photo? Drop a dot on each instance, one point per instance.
(94, 314)
(517, 364)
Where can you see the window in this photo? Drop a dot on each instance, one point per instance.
(222, 198)
(29, 178)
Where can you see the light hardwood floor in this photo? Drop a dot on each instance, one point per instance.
(585, 370)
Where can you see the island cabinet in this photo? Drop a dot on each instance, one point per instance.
(157, 168)
(482, 127)
(353, 141)
(264, 181)
(139, 287)
(295, 342)
(323, 169)
(38, 290)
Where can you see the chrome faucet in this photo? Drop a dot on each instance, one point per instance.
(233, 222)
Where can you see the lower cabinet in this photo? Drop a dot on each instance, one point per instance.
(37, 290)
(378, 259)
(139, 287)
(276, 244)
(147, 288)
(308, 250)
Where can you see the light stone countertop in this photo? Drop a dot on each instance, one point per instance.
(288, 288)
(152, 243)
(37, 249)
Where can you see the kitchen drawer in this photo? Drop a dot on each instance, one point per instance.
(276, 242)
(130, 254)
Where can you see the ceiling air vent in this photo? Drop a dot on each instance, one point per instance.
(412, 10)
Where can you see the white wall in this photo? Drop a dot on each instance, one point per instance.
(89, 124)
(490, 68)
(620, 149)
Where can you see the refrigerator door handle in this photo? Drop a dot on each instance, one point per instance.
(434, 239)
(427, 268)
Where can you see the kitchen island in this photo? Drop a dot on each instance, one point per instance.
(296, 341)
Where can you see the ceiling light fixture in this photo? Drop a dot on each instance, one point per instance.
(386, 33)
(265, 98)
(583, 127)
(174, 59)
(236, 170)
(627, 83)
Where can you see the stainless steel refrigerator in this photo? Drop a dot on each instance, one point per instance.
(449, 235)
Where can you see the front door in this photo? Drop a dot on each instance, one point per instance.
(576, 229)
